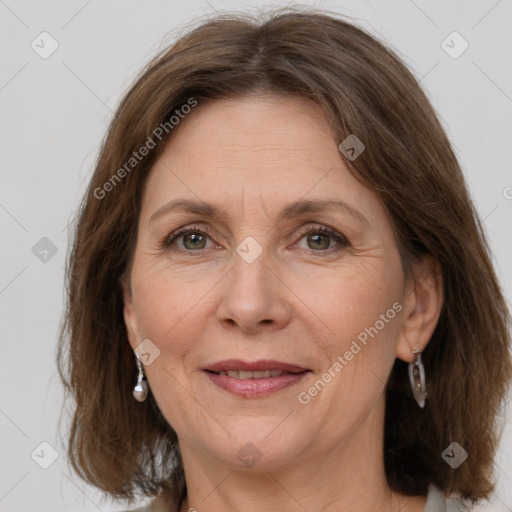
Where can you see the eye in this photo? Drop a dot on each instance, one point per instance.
(321, 239)
(188, 239)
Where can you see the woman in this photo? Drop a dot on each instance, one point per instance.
(279, 294)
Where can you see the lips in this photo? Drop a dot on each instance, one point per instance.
(256, 379)
(237, 365)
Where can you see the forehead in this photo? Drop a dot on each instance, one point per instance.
(269, 150)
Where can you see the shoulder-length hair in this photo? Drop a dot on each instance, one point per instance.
(127, 448)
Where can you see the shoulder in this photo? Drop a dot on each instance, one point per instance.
(456, 505)
(157, 505)
(437, 502)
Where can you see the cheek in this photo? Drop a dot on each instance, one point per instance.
(360, 314)
(351, 300)
(164, 310)
(168, 314)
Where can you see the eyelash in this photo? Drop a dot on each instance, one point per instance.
(321, 230)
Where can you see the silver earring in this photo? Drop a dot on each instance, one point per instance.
(417, 378)
(140, 391)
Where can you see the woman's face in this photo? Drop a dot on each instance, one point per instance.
(253, 285)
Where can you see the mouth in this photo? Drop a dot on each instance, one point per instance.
(256, 379)
(244, 375)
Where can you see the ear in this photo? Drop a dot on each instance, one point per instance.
(130, 319)
(422, 308)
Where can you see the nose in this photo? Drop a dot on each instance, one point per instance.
(254, 297)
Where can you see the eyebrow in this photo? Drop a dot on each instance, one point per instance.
(291, 210)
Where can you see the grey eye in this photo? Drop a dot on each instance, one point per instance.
(192, 241)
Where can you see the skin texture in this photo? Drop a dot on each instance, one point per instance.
(301, 301)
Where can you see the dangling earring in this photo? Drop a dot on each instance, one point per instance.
(417, 378)
(140, 391)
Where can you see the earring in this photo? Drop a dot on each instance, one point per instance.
(140, 391)
(417, 378)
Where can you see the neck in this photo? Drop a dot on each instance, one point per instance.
(349, 477)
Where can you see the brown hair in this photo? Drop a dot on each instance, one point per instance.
(126, 448)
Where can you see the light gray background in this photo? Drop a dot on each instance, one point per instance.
(54, 113)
